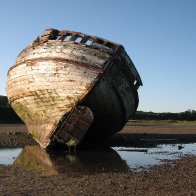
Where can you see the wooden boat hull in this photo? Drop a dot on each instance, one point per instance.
(51, 77)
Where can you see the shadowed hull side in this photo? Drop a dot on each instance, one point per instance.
(113, 101)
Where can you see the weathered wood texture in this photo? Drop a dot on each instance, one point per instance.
(41, 90)
(51, 76)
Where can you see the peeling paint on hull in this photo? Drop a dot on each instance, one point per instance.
(52, 76)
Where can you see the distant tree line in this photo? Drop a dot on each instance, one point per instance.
(7, 114)
(189, 115)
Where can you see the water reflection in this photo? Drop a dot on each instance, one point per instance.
(8, 155)
(96, 160)
(139, 159)
(58, 162)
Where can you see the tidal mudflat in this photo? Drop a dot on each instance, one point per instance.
(150, 158)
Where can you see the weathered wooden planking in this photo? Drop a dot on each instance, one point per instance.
(41, 92)
(55, 74)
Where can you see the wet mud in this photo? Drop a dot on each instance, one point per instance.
(143, 159)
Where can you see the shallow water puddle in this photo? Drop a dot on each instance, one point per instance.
(7, 155)
(142, 158)
(115, 159)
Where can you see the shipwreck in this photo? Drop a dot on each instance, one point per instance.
(67, 86)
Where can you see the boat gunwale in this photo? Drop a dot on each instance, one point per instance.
(60, 35)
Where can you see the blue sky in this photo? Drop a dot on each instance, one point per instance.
(158, 35)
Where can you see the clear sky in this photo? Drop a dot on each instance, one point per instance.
(158, 35)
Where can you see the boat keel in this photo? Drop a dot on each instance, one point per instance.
(75, 126)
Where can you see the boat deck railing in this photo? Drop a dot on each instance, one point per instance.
(92, 41)
(78, 38)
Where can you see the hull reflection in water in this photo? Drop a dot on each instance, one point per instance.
(94, 161)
